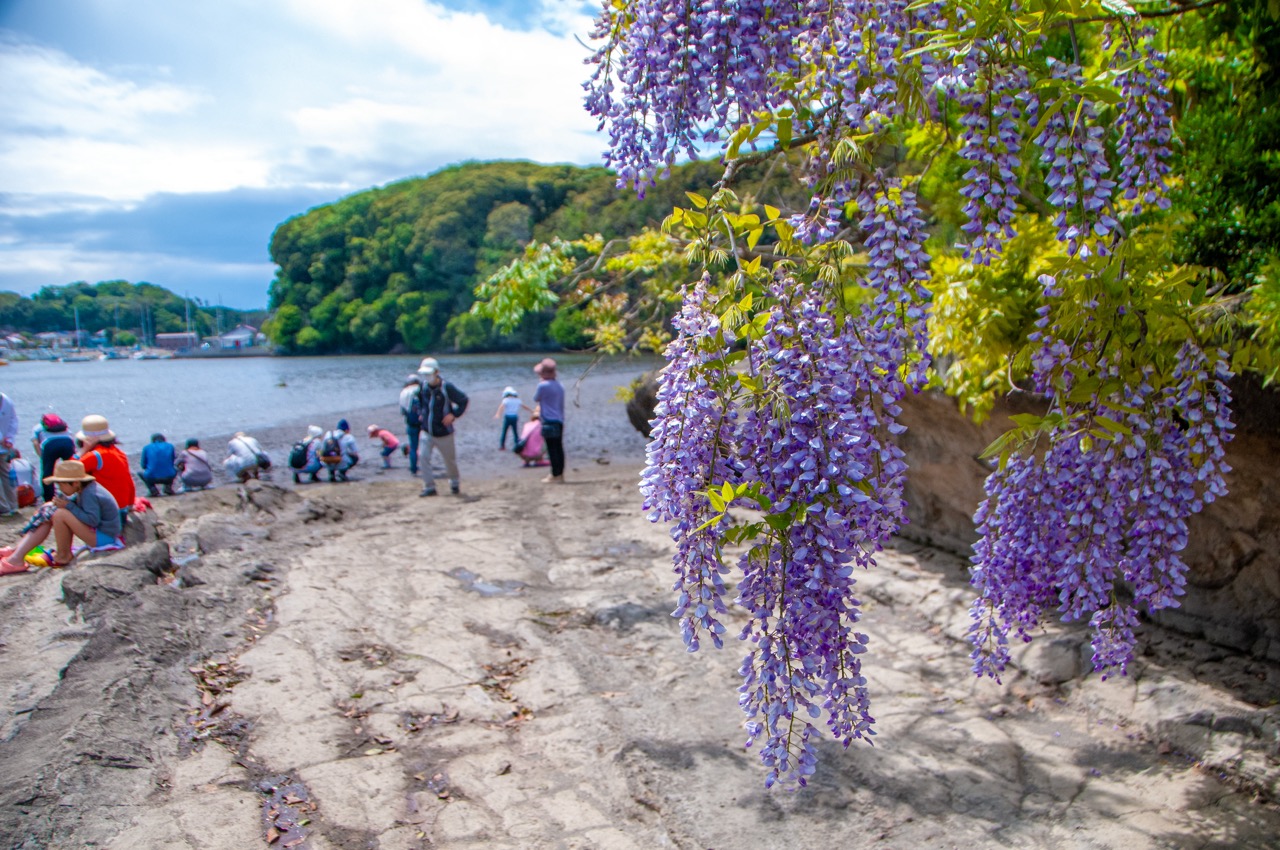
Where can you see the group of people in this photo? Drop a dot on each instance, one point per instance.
(431, 405)
(87, 487)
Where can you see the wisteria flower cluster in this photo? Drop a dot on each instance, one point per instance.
(1094, 528)
(793, 413)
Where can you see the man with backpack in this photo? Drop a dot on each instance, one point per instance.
(304, 457)
(411, 410)
(338, 451)
(441, 404)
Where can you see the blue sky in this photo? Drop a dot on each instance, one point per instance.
(163, 141)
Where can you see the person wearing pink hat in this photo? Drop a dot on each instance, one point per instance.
(549, 396)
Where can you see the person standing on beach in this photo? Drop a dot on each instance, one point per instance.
(509, 410)
(8, 433)
(549, 396)
(442, 403)
(412, 414)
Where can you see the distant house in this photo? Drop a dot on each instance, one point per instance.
(177, 341)
(57, 339)
(15, 341)
(241, 336)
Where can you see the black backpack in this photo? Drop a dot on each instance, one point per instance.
(331, 449)
(298, 454)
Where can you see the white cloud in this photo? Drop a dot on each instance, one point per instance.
(315, 92)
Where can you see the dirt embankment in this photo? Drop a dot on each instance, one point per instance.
(356, 667)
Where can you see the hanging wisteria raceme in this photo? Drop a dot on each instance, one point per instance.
(1073, 148)
(991, 115)
(1096, 525)
(897, 268)
(1144, 124)
(673, 75)
(686, 454)
(826, 465)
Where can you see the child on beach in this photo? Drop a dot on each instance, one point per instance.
(81, 508)
(389, 443)
(530, 446)
(509, 410)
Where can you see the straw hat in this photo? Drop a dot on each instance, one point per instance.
(94, 427)
(68, 471)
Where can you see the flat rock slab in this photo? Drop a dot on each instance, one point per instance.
(413, 708)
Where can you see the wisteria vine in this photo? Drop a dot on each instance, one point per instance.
(780, 394)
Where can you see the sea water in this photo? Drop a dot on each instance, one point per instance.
(202, 397)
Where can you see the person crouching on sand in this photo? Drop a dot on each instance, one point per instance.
(389, 443)
(245, 458)
(194, 466)
(81, 508)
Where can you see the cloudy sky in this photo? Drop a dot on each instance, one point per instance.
(163, 140)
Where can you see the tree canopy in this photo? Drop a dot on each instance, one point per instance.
(395, 267)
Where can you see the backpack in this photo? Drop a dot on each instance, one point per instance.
(414, 417)
(331, 449)
(298, 454)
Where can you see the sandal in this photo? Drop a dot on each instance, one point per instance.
(8, 569)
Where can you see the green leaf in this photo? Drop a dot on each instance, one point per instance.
(697, 200)
(784, 133)
(1112, 425)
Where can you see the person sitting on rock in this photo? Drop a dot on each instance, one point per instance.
(194, 465)
(55, 445)
(81, 508)
(103, 460)
(159, 466)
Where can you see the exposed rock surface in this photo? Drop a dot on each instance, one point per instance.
(501, 671)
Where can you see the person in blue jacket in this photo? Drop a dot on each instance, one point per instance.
(158, 465)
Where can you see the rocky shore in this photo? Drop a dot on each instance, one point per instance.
(354, 667)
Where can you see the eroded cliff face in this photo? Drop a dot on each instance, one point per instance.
(1233, 593)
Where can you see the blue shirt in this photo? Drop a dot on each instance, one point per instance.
(550, 396)
(157, 460)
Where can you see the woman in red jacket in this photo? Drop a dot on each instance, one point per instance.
(103, 460)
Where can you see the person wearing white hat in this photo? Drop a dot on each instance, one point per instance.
(441, 404)
(412, 413)
(509, 410)
(310, 449)
(104, 460)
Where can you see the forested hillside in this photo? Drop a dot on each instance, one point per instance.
(395, 267)
(127, 311)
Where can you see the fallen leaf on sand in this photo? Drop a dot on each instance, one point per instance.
(273, 835)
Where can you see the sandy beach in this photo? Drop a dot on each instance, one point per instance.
(351, 666)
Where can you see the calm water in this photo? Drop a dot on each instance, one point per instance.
(200, 398)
